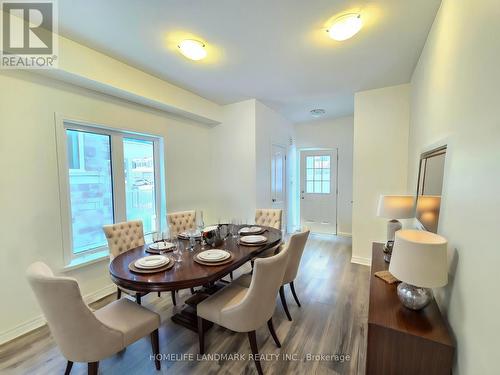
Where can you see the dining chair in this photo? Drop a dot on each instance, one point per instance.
(182, 221)
(242, 309)
(270, 217)
(81, 334)
(123, 237)
(295, 246)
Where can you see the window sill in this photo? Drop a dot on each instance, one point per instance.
(85, 260)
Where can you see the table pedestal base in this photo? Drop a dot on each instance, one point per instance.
(187, 317)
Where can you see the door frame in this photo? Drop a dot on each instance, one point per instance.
(299, 190)
(284, 222)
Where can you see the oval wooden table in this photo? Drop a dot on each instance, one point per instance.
(188, 273)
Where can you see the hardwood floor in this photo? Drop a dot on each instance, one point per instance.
(332, 320)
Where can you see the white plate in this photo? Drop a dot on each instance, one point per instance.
(161, 245)
(210, 228)
(215, 255)
(253, 240)
(152, 261)
(251, 230)
(185, 235)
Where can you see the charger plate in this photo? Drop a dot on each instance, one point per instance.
(166, 267)
(225, 261)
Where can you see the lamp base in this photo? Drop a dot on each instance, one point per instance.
(414, 297)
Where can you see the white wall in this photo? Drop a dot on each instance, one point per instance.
(233, 163)
(381, 123)
(455, 100)
(270, 128)
(30, 222)
(334, 133)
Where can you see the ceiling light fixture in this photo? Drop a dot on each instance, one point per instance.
(317, 112)
(193, 49)
(345, 27)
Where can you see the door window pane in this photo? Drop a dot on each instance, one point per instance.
(91, 188)
(318, 175)
(140, 182)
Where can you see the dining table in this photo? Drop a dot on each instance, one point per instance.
(187, 273)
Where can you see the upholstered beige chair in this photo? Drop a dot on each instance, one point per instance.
(179, 222)
(269, 217)
(83, 335)
(295, 246)
(244, 309)
(123, 237)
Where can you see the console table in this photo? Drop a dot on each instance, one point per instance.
(400, 340)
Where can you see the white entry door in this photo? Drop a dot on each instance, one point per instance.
(318, 190)
(278, 179)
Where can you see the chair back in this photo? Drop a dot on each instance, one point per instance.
(182, 221)
(123, 237)
(269, 217)
(296, 246)
(258, 304)
(80, 336)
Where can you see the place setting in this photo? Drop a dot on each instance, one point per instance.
(251, 230)
(161, 244)
(213, 257)
(252, 240)
(151, 264)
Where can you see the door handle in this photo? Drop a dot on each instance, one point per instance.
(274, 200)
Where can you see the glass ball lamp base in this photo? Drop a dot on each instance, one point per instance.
(414, 297)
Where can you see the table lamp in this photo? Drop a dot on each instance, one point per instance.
(394, 207)
(419, 260)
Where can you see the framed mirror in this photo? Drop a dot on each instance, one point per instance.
(430, 187)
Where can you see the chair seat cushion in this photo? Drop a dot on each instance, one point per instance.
(244, 280)
(212, 307)
(133, 320)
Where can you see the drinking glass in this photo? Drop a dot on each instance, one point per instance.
(234, 227)
(178, 251)
(192, 240)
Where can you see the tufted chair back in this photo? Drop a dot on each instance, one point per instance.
(179, 222)
(269, 217)
(123, 237)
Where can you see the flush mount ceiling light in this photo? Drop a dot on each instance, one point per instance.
(317, 112)
(193, 49)
(345, 27)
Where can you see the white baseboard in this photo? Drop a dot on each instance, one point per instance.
(39, 321)
(344, 234)
(361, 260)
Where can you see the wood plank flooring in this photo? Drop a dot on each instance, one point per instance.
(332, 321)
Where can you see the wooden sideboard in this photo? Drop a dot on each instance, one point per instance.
(400, 340)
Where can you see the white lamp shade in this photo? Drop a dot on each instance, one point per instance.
(396, 206)
(420, 258)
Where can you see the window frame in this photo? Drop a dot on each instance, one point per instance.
(117, 134)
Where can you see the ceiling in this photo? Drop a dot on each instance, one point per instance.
(277, 51)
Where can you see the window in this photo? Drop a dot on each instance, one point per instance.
(318, 174)
(106, 176)
(140, 182)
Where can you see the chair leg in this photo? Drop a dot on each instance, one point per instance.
(155, 345)
(283, 302)
(159, 294)
(138, 299)
(69, 366)
(118, 293)
(192, 290)
(231, 275)
(201, 334)
(294, 294)
(273, 332)
(93, 368)
(173, 297)
(255, 351)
